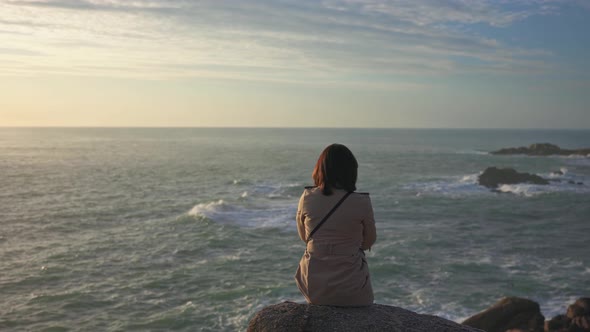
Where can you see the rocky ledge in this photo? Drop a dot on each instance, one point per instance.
(289, 316)
(542, 149)
(510, 314)
(513, 314)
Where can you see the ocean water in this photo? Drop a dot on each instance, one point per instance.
(193, 229)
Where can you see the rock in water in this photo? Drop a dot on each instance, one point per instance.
(289, 316)
(510, 313)
(542, 149)
(492, 177)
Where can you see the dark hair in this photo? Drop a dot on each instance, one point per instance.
(336, 168)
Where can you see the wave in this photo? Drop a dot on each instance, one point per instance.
(277, 190)
(253, 205)
(576, 160)
(476, 152)
(451, 186)
(530, 190)
(556, 175)
(459, 186)
(521, 189)
(279, 215)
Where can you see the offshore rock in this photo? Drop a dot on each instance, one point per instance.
(492, 177)
(289, 316)
(509, 314)
(542, 149)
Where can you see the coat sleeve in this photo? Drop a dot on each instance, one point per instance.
(300, 218)
(369, 230)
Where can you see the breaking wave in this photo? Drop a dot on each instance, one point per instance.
(261, 205)
(468, 185)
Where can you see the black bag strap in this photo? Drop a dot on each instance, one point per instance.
(327, 216)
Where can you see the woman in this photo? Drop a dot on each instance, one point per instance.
(333, 270)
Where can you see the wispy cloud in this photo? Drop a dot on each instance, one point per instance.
(324, 42)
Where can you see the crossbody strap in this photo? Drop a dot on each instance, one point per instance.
(328, 216)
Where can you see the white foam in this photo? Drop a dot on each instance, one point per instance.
(471, 178)
(530, 190)
(273, 214)
(484, 260)
(418, 297)
(477, 152)
(451, 186)
(274, 190)
(206, 208)
(577, 160)
(458, 186)
(520, 189)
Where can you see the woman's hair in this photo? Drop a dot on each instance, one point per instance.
(336, 168)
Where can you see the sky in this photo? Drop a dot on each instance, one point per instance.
(295, 63)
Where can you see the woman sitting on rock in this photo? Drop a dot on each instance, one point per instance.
(337, 225)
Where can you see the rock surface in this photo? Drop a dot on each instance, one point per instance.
(492, 177)
(289, 316)
(558, 323)
(577, 318)
(510, 313)
(542, 149)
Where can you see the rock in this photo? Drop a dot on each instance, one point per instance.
(580, 324)
(557, 173)
(492, 177)
(577, 318)
(510, 313)
(579, 313)
(542, 149)
(558, 323)
(579, 308)
(289, 316)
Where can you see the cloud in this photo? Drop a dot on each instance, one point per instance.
(17, 51)
(303, 41)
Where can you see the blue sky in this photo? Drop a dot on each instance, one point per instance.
(330, 63)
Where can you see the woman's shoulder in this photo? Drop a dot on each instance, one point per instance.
(310, 189)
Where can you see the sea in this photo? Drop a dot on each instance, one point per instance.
(193, 229)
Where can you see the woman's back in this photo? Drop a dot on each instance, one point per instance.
(346, 226)
(333, 270)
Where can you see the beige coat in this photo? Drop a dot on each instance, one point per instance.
(333, 270)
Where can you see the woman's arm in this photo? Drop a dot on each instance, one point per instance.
(369, 230)
(301, 219)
